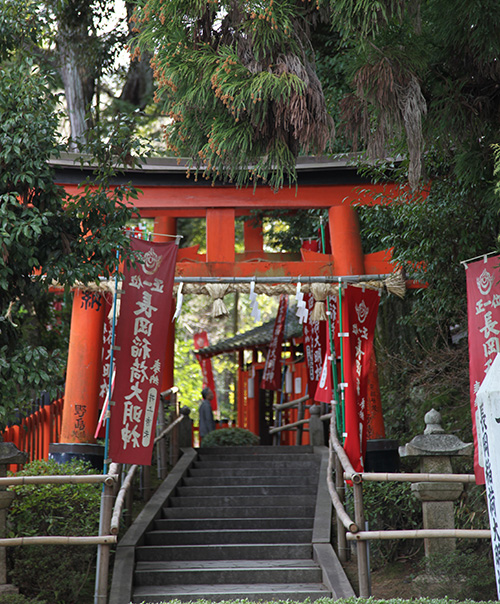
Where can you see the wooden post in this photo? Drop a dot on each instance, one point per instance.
(161, 444)
(342, 549)
(345, 240)
(300, 429)
(103, 550)
(240, 389)
(361, 546)
(174, 435)
(220, 235)
(253, 237)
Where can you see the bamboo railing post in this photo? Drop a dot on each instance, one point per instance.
(300, 429)
(162, 445)
(174, 437)
(342, 549)
(361, 548)
(146, 483)
(103, 550)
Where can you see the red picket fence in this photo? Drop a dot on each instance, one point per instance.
(34, 432)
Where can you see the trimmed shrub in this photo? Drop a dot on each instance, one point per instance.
(60, 574)
(18, 599)
(390, 506)
(230, 437)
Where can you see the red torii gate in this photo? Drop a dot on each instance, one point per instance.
(166, 194)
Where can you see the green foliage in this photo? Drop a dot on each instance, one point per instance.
(465, 574)
(46, 235)
(238, 82)
(196, 317)
(230, 437)
(390, 506)
(59, 574)
(20, 599)
(353, 600)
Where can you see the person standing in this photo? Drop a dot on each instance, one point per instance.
(207, 423)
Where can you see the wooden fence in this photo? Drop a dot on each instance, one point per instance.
(34, 431)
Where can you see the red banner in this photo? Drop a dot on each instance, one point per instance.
(201, 341)
(483, 302)
(106, 356)
(324, 390)
(318, 353)
(271, 376)
(145, 317)
(360, 310)
(314, 346)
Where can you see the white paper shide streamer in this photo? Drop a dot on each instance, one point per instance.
(180, 298)
(302, 311)
(253, 300)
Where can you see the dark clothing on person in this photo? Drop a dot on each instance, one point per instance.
(207, 423)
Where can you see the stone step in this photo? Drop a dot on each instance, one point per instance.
(228, 536)
(291, 458)
(191, 524)
(297, 592)
(222, 478)
(230, 572)
(260, 450)
(265, 511)
(225, 552)
(255, 472)
(290, 467)
(246, 491)
(253, 501)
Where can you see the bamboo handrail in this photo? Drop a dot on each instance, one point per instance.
(420, 534)
(120, 498)
(325, 417)
(58, 540)
(344, 460)
(290, 404)
(169, 428)
(343, 516)
(108, 479)
(300, 422)
(412, 477)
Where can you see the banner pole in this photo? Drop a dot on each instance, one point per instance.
(111, 366)
(333, 356)
(283, 375)
(342, 384)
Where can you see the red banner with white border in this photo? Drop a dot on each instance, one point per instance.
(271, 376)
(323, 355)
(145, 318)
(360, 309)
(483, 302)
(201, 341)
(314, 346)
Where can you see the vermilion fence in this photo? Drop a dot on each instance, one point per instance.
(34, 432)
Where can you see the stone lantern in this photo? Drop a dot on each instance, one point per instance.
(435, 449)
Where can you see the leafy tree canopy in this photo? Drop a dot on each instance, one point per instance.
(238, 81)
(46, 235)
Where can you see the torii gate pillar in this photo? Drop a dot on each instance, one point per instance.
(84, 369)
(348, 259)
(345, 240)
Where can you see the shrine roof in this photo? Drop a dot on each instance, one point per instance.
(259, 337)
(170, 171)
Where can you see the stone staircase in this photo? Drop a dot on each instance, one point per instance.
(236, 523)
